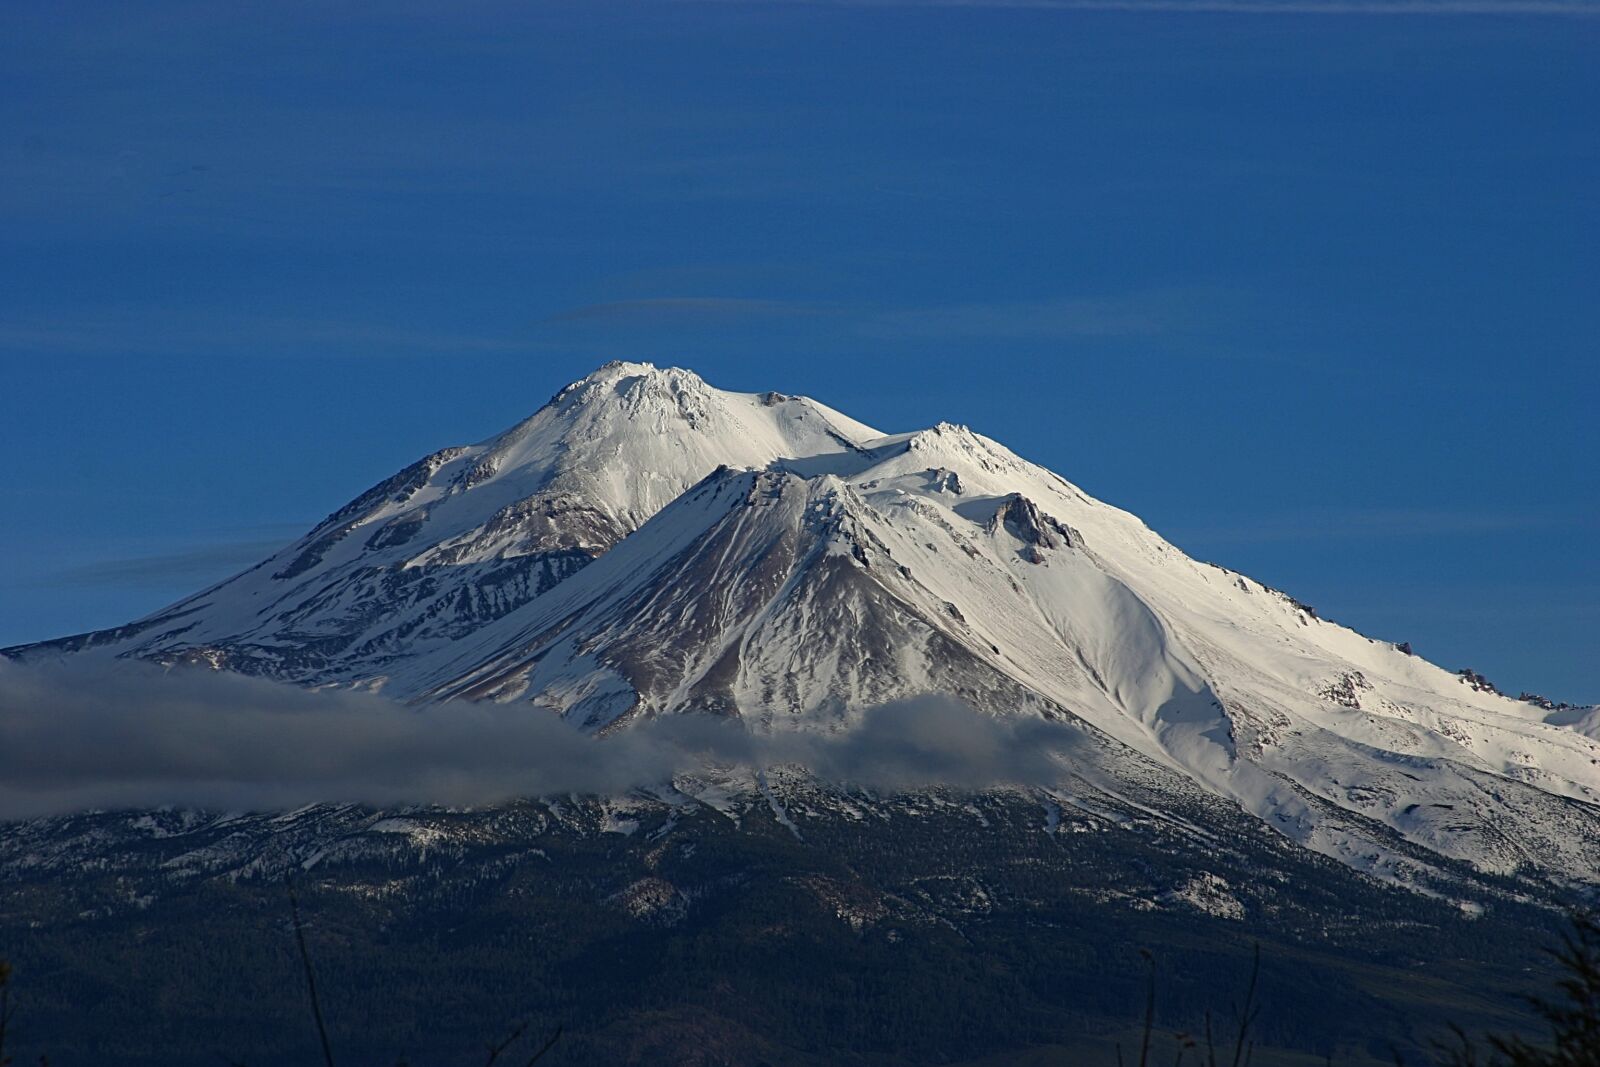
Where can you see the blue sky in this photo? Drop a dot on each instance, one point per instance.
(1311, 286)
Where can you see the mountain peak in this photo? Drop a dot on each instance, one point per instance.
(624, 378)
(639, 371)
(613, 369)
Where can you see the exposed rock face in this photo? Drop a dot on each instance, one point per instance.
(1022, 518)
(941, 480)
(1346, 690)
(1546, 703)
(1477, 682)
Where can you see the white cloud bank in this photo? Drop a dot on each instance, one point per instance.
(108, 734)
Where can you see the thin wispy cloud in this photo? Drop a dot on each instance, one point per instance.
(1122, 315)
(1136, 314)
(205, 563)
(1568, 8)
(162, 332)
(117, 734)
(691, 308)
(157, 332)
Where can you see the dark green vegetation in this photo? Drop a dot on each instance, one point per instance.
(1570, 1013)
(916, 930)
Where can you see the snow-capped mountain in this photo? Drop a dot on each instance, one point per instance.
(468, 534)
(646, 544)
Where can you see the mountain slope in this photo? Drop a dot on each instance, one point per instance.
(648, 545)
(795, 602)
(467, 534)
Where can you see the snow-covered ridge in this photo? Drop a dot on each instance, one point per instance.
(646, 544)
(469, 533)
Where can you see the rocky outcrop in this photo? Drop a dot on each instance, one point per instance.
(1022, 518)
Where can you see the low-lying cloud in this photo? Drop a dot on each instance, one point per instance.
(109, 734)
